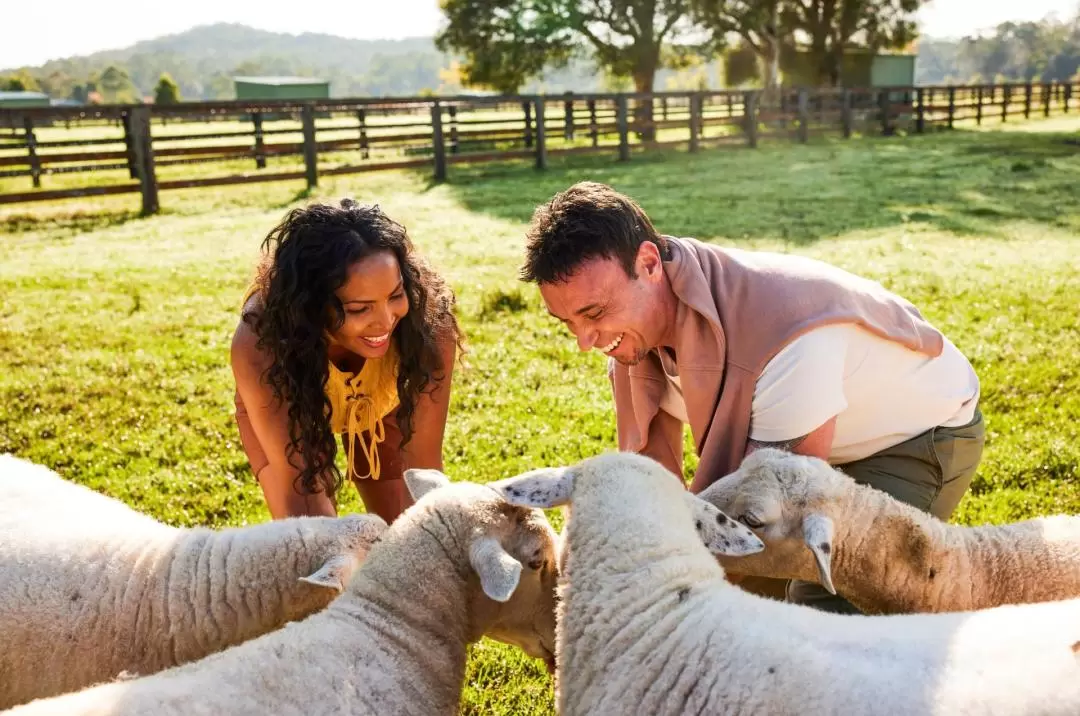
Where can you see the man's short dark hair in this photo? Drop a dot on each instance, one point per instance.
(587, 221)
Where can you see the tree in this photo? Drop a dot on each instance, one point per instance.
(833, 26)
(508, 42)
(116, 87)
(1043, 51)
(57, 84)
(166, 91)
(505, 44)
(757, 23)
(824, 29)
(741, 65)
(21, 81)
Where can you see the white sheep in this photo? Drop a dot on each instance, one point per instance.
(90, 588)
(883, 555)
(647, 624)
(458, 564)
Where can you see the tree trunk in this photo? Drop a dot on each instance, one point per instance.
(772, 55)
(643, 83)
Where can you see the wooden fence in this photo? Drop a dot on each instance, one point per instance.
(149, 149)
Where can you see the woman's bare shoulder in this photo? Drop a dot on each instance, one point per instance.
(245, 342)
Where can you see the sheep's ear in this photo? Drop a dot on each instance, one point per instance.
(420, 482)
(499, 572)
(334, 574)
(818, 535)
(721, 534)
(543, 488)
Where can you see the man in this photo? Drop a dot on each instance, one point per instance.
(756, 349)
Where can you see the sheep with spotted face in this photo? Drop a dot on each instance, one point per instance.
(648, 624)
(460, 563)
(883, 555)
(90, 588)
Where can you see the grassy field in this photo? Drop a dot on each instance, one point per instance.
(114, 330)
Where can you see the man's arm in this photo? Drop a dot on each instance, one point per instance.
(664, 443)
(816, 443)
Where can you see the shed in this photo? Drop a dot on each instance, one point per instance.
(286, 88)
(22, 99)
(860, 68)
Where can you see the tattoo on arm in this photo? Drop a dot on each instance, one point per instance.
(788, 445)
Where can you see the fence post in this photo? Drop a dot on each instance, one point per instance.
(1068, 95)
(695, 120)
(846, 119)
(750, 120)
(920, 114)
(125, 122)
(361, 118)
(1027, 100)
(1006, 93)
(31, 150)
(541, 144)
(260, 148)
(624, 128)
(568, 116)
(885, 107)
(593, 132)
(802, 110)
(143, 146)
(526, 107)
(311, 154)
(438, 147)
(1046, 99)
(978, 105)
(452, 110)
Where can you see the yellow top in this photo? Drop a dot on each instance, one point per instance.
(359, 402)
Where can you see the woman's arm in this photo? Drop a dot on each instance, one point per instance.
(264, 430)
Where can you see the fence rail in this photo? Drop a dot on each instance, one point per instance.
(289, 140)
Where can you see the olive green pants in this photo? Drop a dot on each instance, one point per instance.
(931, 471)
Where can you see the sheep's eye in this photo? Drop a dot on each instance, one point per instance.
(751, 521)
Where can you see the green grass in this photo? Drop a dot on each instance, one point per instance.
(114, 330)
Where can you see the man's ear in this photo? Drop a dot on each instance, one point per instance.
(648, 264)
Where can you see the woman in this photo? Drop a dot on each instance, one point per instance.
(344, 331)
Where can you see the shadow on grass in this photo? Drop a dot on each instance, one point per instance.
(964, 182)
(61, 224)
(301, 195)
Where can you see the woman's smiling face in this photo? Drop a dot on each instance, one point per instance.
(374, 299)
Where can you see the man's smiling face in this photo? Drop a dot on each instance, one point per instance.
(606, 310)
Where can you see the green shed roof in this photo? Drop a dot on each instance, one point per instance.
(278, 81)
(23, 99)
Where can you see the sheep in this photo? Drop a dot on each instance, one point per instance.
(457, 564)
(648, 624)
(90, 588)
(883, 555)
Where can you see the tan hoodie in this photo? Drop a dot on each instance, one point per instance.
(736, 310)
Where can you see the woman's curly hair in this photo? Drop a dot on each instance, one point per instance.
(306, 259)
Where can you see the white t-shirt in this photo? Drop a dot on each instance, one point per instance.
(881, 392)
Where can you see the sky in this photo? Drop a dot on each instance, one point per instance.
(79, 27)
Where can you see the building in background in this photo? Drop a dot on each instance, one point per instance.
(282, 88)
(22, 99)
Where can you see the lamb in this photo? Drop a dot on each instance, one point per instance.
(90, 588)
(648, 624)
(457, 564)
(883, 555)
